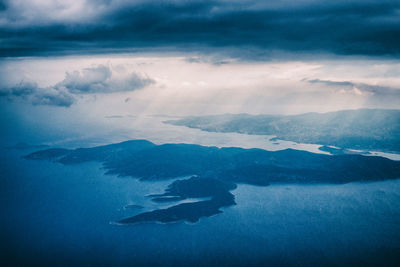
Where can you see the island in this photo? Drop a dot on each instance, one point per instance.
(360, 129)
(215, 172)
(194, 187)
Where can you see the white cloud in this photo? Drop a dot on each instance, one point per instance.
(179, 87)
(94, 80)
(31, 92)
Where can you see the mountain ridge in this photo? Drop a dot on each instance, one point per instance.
(364, 129)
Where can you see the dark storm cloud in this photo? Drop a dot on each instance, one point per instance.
(2, 5)
(99, 79)
(339, 27)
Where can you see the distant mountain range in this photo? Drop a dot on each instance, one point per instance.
(215, 170)
(366, 129)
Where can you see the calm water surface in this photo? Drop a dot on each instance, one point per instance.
(59, 214)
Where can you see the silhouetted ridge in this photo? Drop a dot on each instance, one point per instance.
(145, 160)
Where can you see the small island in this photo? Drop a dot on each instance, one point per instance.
(194, 187)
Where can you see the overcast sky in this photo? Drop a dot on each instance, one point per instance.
(355, 27)
(84, 60)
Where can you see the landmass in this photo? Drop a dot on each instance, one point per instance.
(362, 129)
(342, 151)
(195, 187)
(146, 161)
(215, 171)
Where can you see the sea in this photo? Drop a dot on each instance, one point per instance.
(58, 215)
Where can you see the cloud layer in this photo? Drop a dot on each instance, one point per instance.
(367, 27)
(99, 79)
(359, 88)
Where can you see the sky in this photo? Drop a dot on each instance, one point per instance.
(71, 64)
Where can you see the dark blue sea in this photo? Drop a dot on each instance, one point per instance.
(63, 215)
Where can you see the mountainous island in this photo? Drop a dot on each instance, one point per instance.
(215, 171)
(365, 129)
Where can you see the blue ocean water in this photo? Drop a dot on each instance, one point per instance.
(62, 215)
